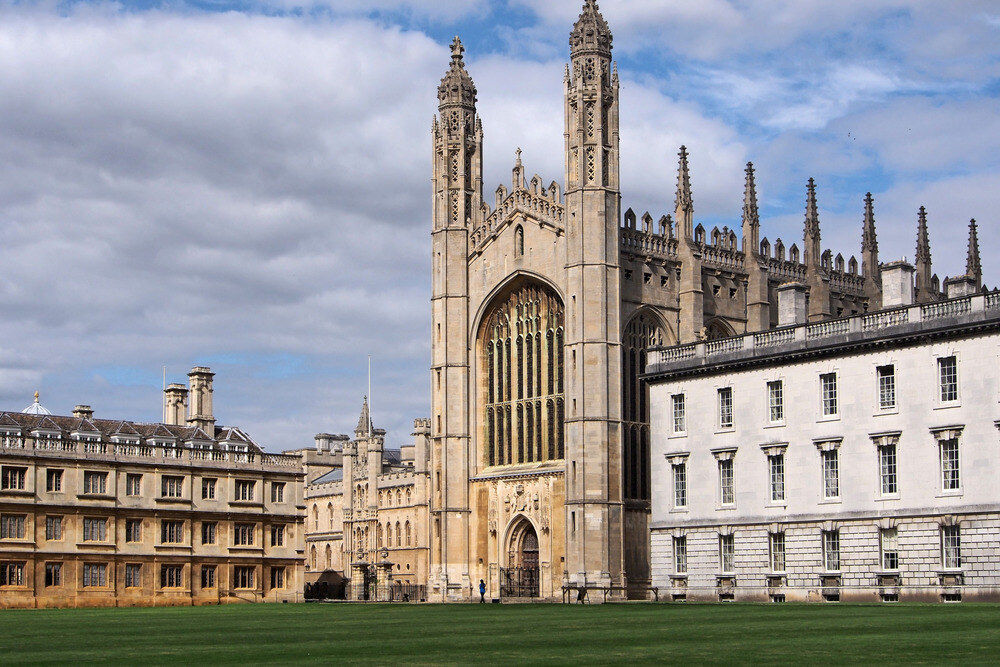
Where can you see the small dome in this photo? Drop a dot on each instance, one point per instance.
(36, 408)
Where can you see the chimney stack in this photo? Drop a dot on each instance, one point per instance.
(83, 412)
(175, 404)
(200, 393)
(897, 284)
(791, 304)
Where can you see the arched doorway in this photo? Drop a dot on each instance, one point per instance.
(520, 578)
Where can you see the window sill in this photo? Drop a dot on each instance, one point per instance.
(949, 405)
(16, 541)
(887, 498)
(243, 547)
(95, 545)
(677, 435)
(181, 501)
(679, 510)
(887, 411)
(957, 493)
(16, 492)
(727, 429)
(830, 501)
(777, 504)
(172, 546)
(828, 418)
(726, 508)
(246, 503)
(95, 496)
(775, 425)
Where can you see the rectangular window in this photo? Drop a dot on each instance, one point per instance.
(172, 487)
(680, 555)
(889, 538)
(171, 532)
(727, 552)
(53, 574)
(12, 478)
(776, 401)
(777, 544)
(680, 424)
(680, 485)
(208, 488)
(887, 469)
(948, 376)
(208, 576)
(95, 574)
(53, 480)
(133, 575)
(727, 492)
(133, 530)
(95, 482)
(886, 387)
(208, 532)
(243, 534)
(277, 492)
(277, 577)
(831, 550)
(11, 574)
(171, 576)
(277, 536)
(12, 526)
(951, 547)
(776, 469)
(53, 527)
(831, 474)
(242, 576)
(726, 407)
(950, 480)
(245, 489)
(95, 530)
(828, 387)
(133, 484)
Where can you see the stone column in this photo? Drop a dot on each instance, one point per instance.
(383, 577)
(358, 569)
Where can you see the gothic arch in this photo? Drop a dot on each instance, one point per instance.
(520, 398)
(718, 328)
(645, 329)
(522, 543)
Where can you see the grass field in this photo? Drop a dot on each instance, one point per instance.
(538, 634)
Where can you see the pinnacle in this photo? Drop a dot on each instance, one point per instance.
(683, 199)
(973, 268)
(591, 31)
(812, 214)
(751, 215)
(364, 421)
(923, 242)
(868, 238)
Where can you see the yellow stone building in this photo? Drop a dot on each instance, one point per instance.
(101, 512)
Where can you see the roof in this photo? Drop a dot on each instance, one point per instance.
(336, 475)
(36, 408)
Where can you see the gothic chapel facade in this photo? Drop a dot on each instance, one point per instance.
(542, 308)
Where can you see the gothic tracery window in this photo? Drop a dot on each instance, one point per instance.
(642, 332)
(521, 348)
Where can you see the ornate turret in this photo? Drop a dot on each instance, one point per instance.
(869, 257)
(456, 86)
(590, 34)
(973, 267)
(925, 290)
(683, 204)
(751, 215)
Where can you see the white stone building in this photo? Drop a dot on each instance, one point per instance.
(849, 459)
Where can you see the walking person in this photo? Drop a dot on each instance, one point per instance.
(482, 592)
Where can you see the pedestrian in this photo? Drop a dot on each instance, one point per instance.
(482, 592)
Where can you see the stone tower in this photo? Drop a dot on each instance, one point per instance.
(594, 522)
(457, 189)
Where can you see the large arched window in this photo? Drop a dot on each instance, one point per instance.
(521, 352)
(643, 331)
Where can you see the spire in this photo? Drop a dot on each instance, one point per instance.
(364, 421)
(923, 242)
(590, 34)
(868, 239)
(456, 85)
(751, 215)
(973, 268)
(683, 200)
(812, 214)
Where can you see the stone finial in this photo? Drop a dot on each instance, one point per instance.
(751, 215)
(683, 201)
(973, 267)
(364, 427)
(590, 33)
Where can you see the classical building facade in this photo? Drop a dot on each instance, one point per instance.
(99, 512)
(543, 305)
(848, 459)
(366, 515)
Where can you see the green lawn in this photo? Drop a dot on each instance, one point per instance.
(463, 634)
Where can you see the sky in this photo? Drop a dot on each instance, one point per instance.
(246, 185)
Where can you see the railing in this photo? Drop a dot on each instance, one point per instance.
(883, 319)
(401, 591)
(803, 333)
(774, 337)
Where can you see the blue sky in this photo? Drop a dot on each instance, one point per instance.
(245, 185)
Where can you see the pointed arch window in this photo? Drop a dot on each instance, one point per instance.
(642, 332)
(521, 352)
